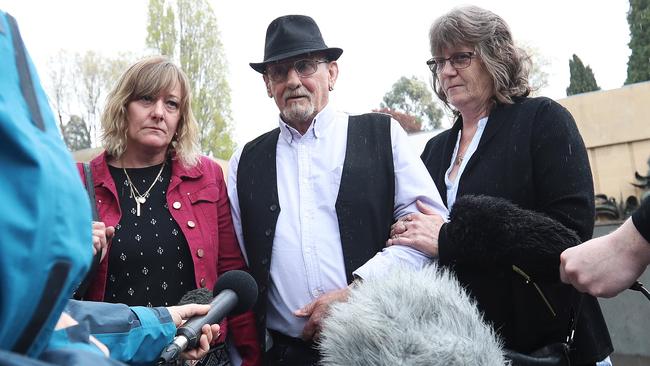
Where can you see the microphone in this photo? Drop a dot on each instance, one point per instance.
(235, 293)
(408, 317)
(484, 230)
(196, 296)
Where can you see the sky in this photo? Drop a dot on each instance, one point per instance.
(381, 40)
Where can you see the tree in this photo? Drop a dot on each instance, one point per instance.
(638, 17)
(78, 85)
(582, 78)
(407, 121)
(537, 76)
(90, 85)
(60, 87)
(76, 134)
(187, 32)
(412, 97)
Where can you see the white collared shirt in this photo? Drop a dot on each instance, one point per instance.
(452, 186)
(307, 257)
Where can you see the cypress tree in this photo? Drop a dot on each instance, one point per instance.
(638, 17)
(582, 78)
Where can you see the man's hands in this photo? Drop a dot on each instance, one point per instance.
(102, 235)
(180, 314)
(418, 230)
(317, 310)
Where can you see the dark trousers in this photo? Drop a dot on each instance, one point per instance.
(289, 351)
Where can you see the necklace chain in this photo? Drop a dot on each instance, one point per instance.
(141, 198)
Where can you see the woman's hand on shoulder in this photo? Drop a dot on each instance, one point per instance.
(418, 230)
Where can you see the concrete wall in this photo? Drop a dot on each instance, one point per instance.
(615, 125)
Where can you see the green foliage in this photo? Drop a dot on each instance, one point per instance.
(582, 78)
(161, 34)
(187, 32)
(638, 17)
(412, 97)
(76, 134)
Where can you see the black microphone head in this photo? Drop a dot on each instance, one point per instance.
(484, 231)
(242, 284)
(196, 296)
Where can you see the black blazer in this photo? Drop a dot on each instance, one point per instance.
(531, 154)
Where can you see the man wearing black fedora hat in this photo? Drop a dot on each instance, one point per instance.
(313, 200)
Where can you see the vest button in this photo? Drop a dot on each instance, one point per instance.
(191, 224)
(265, 261)
(273, 207)
(268, 232)
(202, 282)
(200, 253)
(262, 289)
(176, 205)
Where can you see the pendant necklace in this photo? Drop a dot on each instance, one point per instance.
(140, 199)
(459, 160)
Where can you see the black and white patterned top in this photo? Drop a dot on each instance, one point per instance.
(149, 262)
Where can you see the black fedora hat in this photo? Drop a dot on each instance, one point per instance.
(293, 35)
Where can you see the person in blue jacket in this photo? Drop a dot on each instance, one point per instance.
(46, 243)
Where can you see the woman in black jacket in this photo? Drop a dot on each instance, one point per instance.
(525, 150)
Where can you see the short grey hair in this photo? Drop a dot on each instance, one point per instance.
(489, 35)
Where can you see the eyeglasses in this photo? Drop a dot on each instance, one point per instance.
(460, 60)
(304, 68)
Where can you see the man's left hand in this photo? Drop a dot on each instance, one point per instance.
(317, 310)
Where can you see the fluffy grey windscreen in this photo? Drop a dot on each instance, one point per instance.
(409, 318)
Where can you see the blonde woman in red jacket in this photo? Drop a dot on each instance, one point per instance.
(164, 206)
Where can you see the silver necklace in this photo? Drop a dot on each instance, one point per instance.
(140, 199)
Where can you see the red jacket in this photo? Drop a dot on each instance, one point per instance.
(198, 202)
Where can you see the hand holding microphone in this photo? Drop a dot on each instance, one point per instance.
(207, 334)
(235, 293)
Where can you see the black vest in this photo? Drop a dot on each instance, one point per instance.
(364, 205)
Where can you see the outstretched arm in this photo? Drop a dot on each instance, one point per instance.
(132, 334)
(607, 265)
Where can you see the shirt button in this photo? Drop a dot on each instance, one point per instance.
(268, 232)
(191, 224)
(202, 282)
(176, 205)
(273, 207)
(199, 253)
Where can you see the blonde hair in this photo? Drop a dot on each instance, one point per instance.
(489, 35)
(150, 76)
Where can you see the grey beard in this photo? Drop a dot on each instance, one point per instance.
(298, 113)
